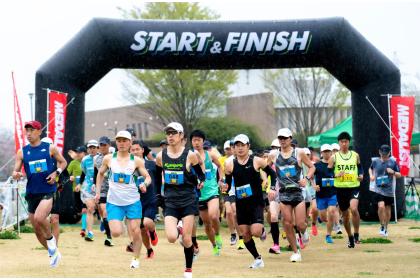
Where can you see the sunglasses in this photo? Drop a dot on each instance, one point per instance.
(282, 138)
(171, 132)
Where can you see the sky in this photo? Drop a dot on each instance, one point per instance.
(32, 31)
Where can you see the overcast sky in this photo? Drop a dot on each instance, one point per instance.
(32, 31)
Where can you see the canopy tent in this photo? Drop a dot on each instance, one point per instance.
(415, 140)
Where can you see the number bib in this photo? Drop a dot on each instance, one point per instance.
(77, 180)
(287, 171)
(208, 174)
(121, 178)
(139, 180)
(382, 181)
(327, 182)
(38, 166)
(347, 178)
(243, 191)
(174, 177)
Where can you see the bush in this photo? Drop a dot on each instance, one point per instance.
(9, 235)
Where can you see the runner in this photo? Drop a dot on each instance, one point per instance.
(148, 202)
(37, 159)
(75, 171)
(337, 221)
(104, 144)
(177, 162)
(348, 173)
(289, 176)
(87, 188)
(382, 172)
(244, 169)
(123, 200)
(326, 199)
(310, 196)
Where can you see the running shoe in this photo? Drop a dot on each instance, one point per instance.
(299, 242)
(108, 242)
(241, 244)
(196, 253)
(382, 231)
(275, 249)
(338, 229)
(258, 263)
(219, 241)
(155, 238)
(83, 233)
(350, 244)
(135, 263)
(102, 227)
(263, 236)
(89, 237)
(233, 240)
(329, 239)
(188, 273)
(386, 233)
(129, 248)
(305, 238)
(296, 257)
(55, 258)
(216, 250)
(150, 254)
(314, 230)
(356, 238)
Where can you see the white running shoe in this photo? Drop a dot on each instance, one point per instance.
(258, 263)
(55, 258)
(296, 257)
(305, 238)
(135, 263)
(382, 231)
(187, 274)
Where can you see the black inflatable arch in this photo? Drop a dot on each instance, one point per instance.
(332, 43)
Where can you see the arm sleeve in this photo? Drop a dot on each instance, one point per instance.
(228, 181)
(95, 173)
(270, 172)
(199, 172)
(359, 169)
(82, 177)
(158, 179)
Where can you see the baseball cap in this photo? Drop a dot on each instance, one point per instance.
(326, 147)
(131, 130)
(104, 140)
(241, 138)
(92, 142)
(175, 126)
(47, 140)
(275, 143)
(226, 145)
(207, 144)
(307, 151)
(33, 124)
(123, 134)
(294, 142)
(284, 132)
(335, 146)
(163, 142)
(385, 149)
(80, 149)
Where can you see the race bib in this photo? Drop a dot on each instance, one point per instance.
(347, 178)
(174, 177)
(121, 178)
(382, 181)
(243, 191)
(77, 180)
(287, 171)
(139, 180)
(208, 174)
(38, 166)
(327, 182)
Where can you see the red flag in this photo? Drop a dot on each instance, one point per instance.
(402, 120)
(20, 139)
(57, 118)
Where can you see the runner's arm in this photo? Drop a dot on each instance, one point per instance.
(228, 175)
(159, 171)
(100, 176)
(262, 163)
(143, 172)
(18, 166)
(215, 159)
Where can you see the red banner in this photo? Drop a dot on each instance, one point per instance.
(57, 118)
(20, 139)
(402, 120)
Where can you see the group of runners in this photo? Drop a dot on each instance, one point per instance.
(128, 184)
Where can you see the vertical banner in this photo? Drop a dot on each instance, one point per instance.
(57, 118)
(20, 139)
(402, 120)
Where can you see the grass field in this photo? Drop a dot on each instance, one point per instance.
(401, 258)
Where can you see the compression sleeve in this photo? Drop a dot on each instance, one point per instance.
(228, 181)
(359, 169)
(82, 177)
(199, 172)
(95, 173)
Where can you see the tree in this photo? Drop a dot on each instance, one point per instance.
(7, 146)
(185, 96)
(306, 92)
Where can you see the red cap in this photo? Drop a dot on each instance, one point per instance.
(33, 124)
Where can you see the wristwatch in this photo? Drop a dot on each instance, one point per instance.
(58, 171)
(307, 178)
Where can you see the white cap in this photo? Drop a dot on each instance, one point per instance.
(176, 126)
(47, 140)
(284, 132)
(275, 143)
(307, 151)
(123, 134)
(226, 145)
(111, 150)
(326, 147)
(92, 142)
(241, 138)
(335, 146)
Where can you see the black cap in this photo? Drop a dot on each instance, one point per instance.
(206, 145)
(104, 140)
(132, 132)
(385, 149)
(294, 142)
(163, 142)
(81, 149)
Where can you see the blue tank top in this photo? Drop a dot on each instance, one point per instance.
(38, 164)
(88, 168)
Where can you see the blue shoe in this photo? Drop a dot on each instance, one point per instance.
(89, 236)
(329, 239)
(55, 258)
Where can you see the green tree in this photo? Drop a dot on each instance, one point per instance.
(185, 96)
(311, 95)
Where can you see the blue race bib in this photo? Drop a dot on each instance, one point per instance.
(208, 174)
(382, 181)
(287, 171)
(121, 178)
(327, 182)
(38, 166)
(174, 177)
(243, 191)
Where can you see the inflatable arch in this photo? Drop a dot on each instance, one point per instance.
(332, 43)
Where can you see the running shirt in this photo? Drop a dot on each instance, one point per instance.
(247, 182)
(383, 181)
(122, 187)
(74, 169)
(105, 183)
(149, 197)
(179, 187)
(210, 188)
(324, 179)
(348, 164)
(289, 174)
(38, 164)
(88, 168)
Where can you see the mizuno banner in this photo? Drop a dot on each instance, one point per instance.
(402, 120)
(57, 118)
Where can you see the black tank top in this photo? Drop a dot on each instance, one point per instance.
(244, 176)
(179, 188)
(288, 173)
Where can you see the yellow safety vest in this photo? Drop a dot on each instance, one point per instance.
(348, 164)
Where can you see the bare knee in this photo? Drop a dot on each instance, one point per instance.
(54, 219)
